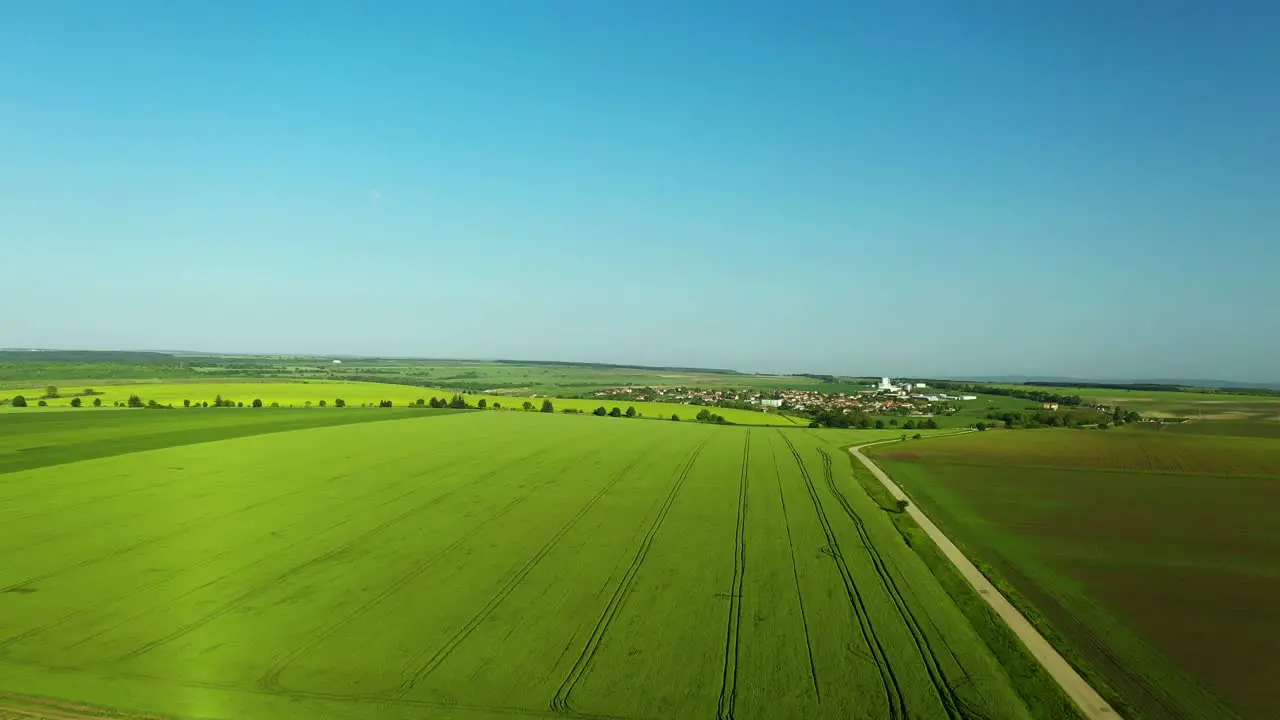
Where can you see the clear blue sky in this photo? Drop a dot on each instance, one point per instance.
(1083, 187)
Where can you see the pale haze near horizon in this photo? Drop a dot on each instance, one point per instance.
(1066, 189)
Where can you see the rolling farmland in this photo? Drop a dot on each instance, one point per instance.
(477, 565)
(1155, 554)
(297, 394)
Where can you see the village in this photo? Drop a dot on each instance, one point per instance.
(886, 398)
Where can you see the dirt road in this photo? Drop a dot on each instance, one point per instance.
(1085, 697)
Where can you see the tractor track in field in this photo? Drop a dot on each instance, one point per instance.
(795, 574)
(894, 698)
(175, 573)
(327, 555)
(270, 680)
(726, 708)
(442, 653)
(38, 708)
(955, 707)
(163, 536)
(560, 701)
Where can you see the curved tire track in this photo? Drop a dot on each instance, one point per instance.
(895, 700)
(442, 654)
(307, 564)
(729, 681)
(560, 702)
(955, 707)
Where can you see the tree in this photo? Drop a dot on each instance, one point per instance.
(240, 404)
(421, 402)
(384, 404)
(97, 402)
(308, 403)
(497, 406)
(217, 401)
(981, 426)
(547, 407)
(703, 415)
(186, 403)
(917, 436)
(615, 412)
(42, 403)
(675, 417)
(339, 403)
(257, 402)
(598, 411)
(323, 403)
(51, 391)
(134, 401)
(482, 403)
(893, 422)
(89, 391)
(631, 412)
(458, 402)
(879, 424)
(19, 401)
(909, 425)
(526, 405)
(815, 424)
(75, 402)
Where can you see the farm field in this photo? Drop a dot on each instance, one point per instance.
(297, 394)
(1196, 405)
(1156, 555)
(479, 565)
(38, 439)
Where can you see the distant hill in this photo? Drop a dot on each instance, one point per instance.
(1162, 383)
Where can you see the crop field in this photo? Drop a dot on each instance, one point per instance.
(1196, 405)
(1155, 554)
(298, 394)
(476, 565)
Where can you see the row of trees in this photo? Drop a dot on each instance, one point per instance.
(21, 400)
(860, 419)
(1023, 393)
(706, 416)
(615, 412)
(1048, 418)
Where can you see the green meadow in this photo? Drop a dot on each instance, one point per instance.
(469, 565)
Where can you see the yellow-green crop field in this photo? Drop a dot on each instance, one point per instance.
(466, 565)
(298, 394)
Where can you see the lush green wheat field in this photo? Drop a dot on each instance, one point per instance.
(478, 565)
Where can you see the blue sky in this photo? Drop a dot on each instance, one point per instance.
(1079, 188)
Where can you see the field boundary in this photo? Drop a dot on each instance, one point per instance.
(1090, 703)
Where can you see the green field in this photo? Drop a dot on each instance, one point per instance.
(1166, 404)
(298, 394)
(1156, 555)
(473, 565)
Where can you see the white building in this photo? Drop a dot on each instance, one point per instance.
(886, 385)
